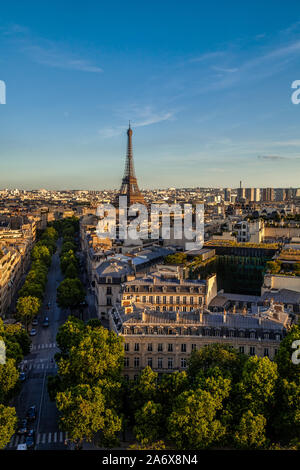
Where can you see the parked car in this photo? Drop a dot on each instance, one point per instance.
(22, 447)
(22, 429)
(35, 321)
(46, 321)
(33, 332)
(30, 441)
(22, 377)
(31, 413)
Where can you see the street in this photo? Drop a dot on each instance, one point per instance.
(38, 366)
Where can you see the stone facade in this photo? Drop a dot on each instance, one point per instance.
(165, 340)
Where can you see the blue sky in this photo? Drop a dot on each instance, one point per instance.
(206, 85)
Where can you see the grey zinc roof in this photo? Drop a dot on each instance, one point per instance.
(211, 320)
(283, 295)
(113, 268)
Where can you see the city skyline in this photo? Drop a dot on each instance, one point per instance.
(209, 96)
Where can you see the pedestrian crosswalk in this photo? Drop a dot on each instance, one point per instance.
(36, 347)
(41, 438)
(29, 364)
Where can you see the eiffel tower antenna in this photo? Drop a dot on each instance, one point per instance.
(129, 186)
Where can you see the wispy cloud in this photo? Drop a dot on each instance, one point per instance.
(51, 56)
(225, 69)
(276, 158)
(288, 143)
(140, 117)
(48, 53)
(271, 157)
(208, 56)
(233, 68)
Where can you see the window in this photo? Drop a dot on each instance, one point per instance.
(150, 362)
(136, 362)
(252, 350)
(170, 363)
(200, 300)
(191, 300)
(157, 299)
(184, 309)
(136, 346)
(159, 347)
(144, 298)
(275, 351)
(170, 347)
(150, 299)
(171, 299)
(126, 361)
(126, 347)
(252, 334)
(164, 299)
(266, 352)
(242, 349)
(159, 363)
(183, 348)
(108, 290)
(126, 377)
(277, 337)
(231, 333)
(183, 363)
(266, 335)
(178, 300)
(194, 347)
(149, 346)
(108, 301)
(184, 300)
(217, 332)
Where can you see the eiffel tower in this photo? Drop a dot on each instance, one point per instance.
(129, 186)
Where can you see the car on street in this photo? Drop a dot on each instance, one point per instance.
(35, 321)
(22, 447)
(22, 429)
(49, 304)
(29, 441)
(31, 413)
(22, 377)
(46, 321)
(33, 332)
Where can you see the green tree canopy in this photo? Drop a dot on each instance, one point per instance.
(41, 253)
(149, 423)
(70, 293)
(286, 367)
(8, 422)
(251, 431)
(27, 309)
(97, 354)
(194, 424)
(71, 271)
(84, 413)
(9, 377)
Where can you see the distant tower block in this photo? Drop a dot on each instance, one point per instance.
(129, 185)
